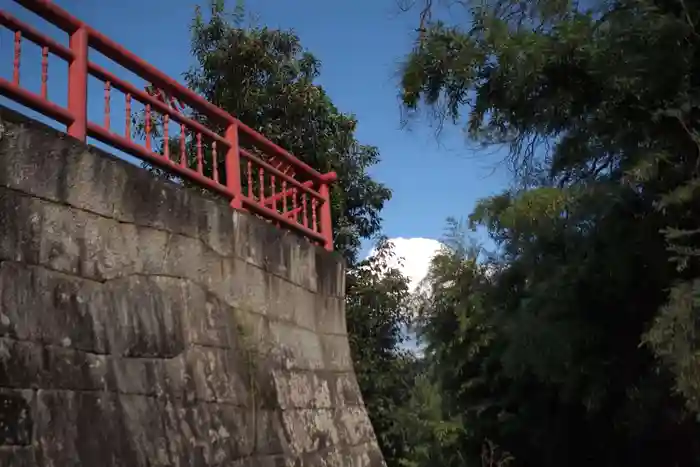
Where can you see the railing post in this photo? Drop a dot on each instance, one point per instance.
(77, 84)
(326, 220)
(233, 166)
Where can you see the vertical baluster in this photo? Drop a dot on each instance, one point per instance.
(148, 127)
(314, 206)
(294, 204)
(44, 72)
(18, 54)
(183, 136)
(166, 138)
(273, 189)
(108, 110)
(127, 125)
(250, 179)
(261, 185)
(304, 202)
(284, 197)
(215, 162)
(200, 163)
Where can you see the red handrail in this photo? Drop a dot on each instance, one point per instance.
(313, 190)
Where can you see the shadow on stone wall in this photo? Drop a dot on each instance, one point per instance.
(144, 325)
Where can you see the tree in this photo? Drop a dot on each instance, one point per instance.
(378, 310)
(596, 271)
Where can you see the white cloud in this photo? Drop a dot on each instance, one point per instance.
(413, 256)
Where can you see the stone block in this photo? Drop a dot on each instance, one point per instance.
(354, 425)
(364, 455)
(72, 369)
(301, 390)
(206, 317)
(25, 364)
(277, 460)
(289, 302)
(20, 227)
(310, 429)
(303, 266)
(330, 270)
(281, 298)
(44, 306)
(24, 456)
(256, 243)
(145, 315)
(295, 347)
(150, 201)
(207, 434)
(76, 242)
(277, 251)
(250, 330)
(217, 228)
(187, 257)
(148, 376)
(83, 428)
(245, 287)
(143, 429)
(21, 364)
(151, 248)
(16, 418)
(304, 302)
(217, 375)
(271, 437)
(329, 313)
(231, 433)
(345, 390)
(51, 165)
(336, 350)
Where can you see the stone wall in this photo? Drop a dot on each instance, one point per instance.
(142, 324)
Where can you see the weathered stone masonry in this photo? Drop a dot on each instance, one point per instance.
(142, 324)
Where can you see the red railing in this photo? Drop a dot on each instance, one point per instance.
(176, 130)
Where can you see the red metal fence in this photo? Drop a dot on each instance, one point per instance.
(179, 132)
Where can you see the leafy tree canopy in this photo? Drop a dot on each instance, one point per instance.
(578, 344)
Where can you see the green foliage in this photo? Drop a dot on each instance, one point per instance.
(378, 311)
(576, 342)
(427, 437)
(381, 293)
(674, 337)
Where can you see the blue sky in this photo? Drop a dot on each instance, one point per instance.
(361, 45)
